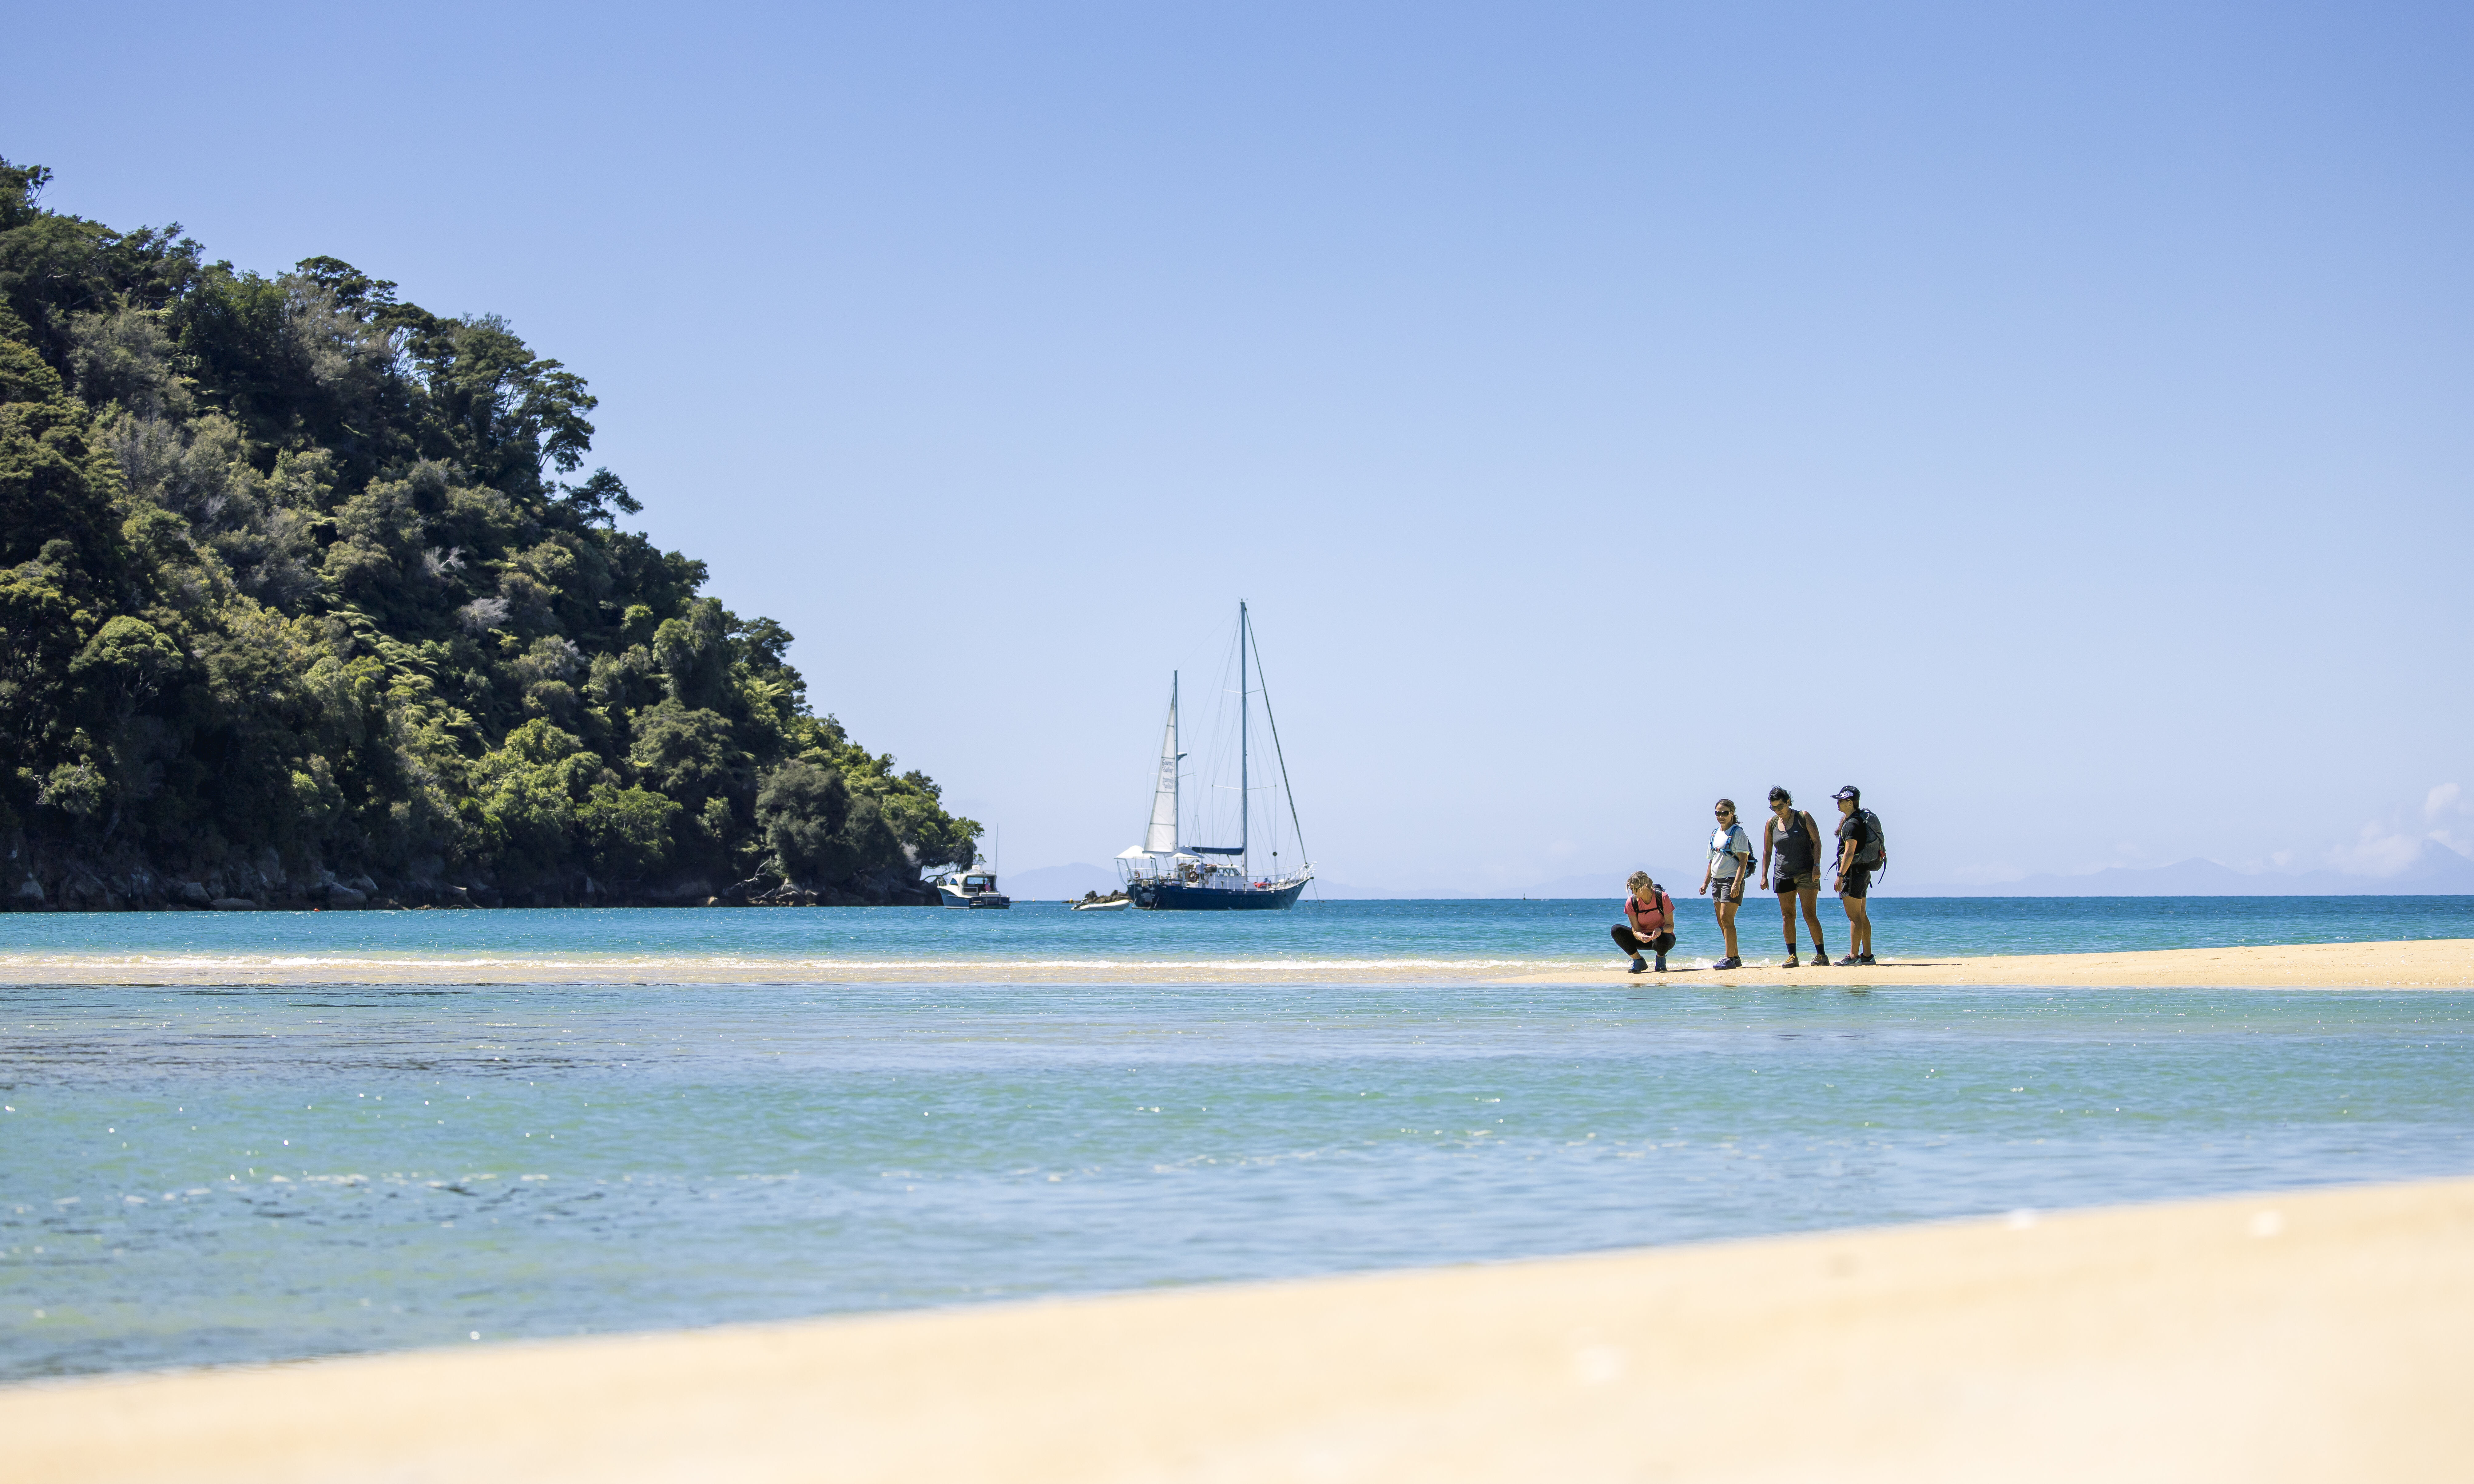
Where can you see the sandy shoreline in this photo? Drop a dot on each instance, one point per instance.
(2298, 1336)
(2443, 964)
(2425, 964)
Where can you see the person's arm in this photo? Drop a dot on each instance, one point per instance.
(1846, 849)
(1769, 838)
(1707, 866)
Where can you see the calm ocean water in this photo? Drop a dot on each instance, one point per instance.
(215, 1174)
(1447, 939)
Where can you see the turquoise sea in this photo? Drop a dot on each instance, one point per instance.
(1447, 939)
(206, 1172)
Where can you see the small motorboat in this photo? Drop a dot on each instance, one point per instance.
(1111, 903)
(974, 888)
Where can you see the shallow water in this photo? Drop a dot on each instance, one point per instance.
(1434, 940)
(220, 1173)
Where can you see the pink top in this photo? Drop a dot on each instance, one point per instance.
(1657, 918)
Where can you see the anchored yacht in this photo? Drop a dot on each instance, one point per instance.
(1165, 875)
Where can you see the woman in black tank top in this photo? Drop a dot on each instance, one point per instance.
(1793, 841)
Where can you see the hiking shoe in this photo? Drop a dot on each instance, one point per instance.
(1729, 962)
(1790, 963)
(1867, 960)
(1638, 967)
(1849, 960)
(1661, 963)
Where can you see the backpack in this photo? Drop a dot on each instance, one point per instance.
(1874, 846)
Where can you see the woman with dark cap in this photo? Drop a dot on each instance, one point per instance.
(1648, 924)
(1794, 839)
(1856, 828)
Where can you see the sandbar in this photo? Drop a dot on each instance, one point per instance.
(2303, 1335)
(2416, 964)
(2437, 963)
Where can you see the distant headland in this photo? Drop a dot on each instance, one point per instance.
(302, 604)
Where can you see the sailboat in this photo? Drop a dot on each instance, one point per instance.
(1165, 875)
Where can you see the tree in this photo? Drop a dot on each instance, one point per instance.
(286, 566)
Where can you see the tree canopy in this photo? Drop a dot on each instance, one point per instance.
(300, 582)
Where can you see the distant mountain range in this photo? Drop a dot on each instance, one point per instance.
(2436, 870)
(1059, 883)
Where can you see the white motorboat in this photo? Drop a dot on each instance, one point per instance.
(974, 888)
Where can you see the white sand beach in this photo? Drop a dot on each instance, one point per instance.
(2441, 964)
(2423, 963)
(2311, 1336)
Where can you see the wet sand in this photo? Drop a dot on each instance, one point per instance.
(2298, 1336)
(2422, 964)
(2443, 964)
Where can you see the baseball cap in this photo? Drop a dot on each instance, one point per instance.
(1851, 791)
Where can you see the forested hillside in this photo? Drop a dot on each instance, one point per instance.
(302, 600)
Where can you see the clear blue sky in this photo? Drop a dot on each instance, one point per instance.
(2053, 418)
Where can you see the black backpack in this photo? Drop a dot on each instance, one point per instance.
(1874, 847)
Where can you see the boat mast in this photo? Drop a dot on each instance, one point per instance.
(1243, 796)
(1174, 820)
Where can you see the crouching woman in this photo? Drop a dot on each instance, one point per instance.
(1649, 923)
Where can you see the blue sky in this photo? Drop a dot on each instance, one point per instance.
(2054, 418)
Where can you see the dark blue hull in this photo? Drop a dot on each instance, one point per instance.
(1176, 897)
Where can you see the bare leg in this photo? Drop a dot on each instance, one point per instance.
(1787, 918)
(1727, 919)
(1859, 923)
(1812, 919)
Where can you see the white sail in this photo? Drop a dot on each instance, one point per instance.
(1161, 838)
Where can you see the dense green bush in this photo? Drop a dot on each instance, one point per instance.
(292, 578)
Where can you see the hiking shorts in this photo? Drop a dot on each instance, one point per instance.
(1857, 881)
(1788, 885)
(1728, 888)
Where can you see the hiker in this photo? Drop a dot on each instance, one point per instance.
(1862, 852)
(1729, 867)
(1648, 924)
(1793, 838)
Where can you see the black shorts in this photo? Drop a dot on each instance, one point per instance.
(1856, 881)
(1788, 885)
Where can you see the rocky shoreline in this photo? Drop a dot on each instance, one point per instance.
(37, 882)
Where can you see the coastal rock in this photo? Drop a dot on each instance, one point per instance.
(195, 894)
(233, 904)
(29, 893)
